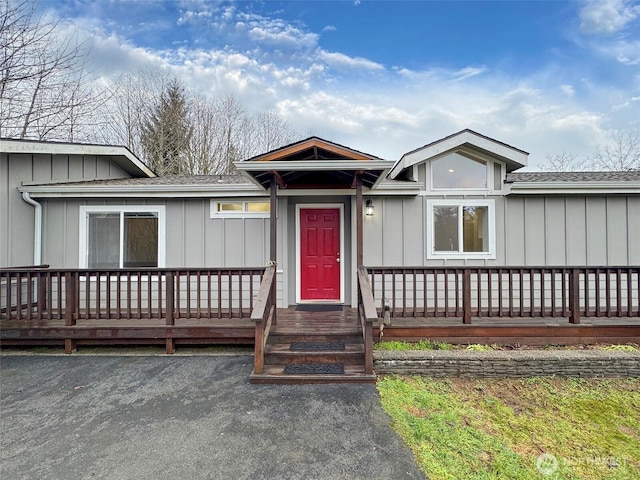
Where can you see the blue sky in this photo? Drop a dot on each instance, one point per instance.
(388, 76)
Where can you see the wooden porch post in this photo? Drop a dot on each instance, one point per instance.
(273, 243)
(359, 225)
(272, 216)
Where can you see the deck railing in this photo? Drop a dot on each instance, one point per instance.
(264, 316)
(367, 315)
(468, 292)
(74, 294)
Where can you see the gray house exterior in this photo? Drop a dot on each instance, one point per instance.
(459, 201)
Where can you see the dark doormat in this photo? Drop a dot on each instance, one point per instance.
(314, 368)
(333, 346)
(311, 307)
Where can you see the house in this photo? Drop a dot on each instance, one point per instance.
(450, 231)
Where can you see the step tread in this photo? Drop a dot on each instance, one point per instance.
(284, 348)
(275, 374)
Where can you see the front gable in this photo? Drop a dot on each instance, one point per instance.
(466, 143)
(315, 163)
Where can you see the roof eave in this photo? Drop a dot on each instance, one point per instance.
(121, 155)
(546, 188)
(167, 191)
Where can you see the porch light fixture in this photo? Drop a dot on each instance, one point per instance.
(368, 209)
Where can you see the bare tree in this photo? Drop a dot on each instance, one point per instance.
(622, 154)
(271, 131)
(563, 162)
(45, 90)
(132, 96)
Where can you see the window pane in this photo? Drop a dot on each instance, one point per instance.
(445, 225)
(104, 240)
(458, 171)
(258, 207)
(140, 240)
(230, 207)
(475, 229)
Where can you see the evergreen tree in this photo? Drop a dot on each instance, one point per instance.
(167, 132)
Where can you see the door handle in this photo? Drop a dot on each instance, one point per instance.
(338, 260)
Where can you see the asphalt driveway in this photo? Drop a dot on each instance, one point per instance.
(162, 417)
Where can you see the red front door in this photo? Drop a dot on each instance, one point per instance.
(320, 254)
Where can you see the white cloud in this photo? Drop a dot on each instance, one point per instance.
(607, 16)
(339, 60)
(468, 72)
(396, 109)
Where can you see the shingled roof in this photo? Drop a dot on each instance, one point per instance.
(168, 180)
(631, 176)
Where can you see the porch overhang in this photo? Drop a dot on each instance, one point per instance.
(321, 174)
(315, 163)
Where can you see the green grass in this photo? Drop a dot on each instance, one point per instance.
(497, 429)
(425, 344)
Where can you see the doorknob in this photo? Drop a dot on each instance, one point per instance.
(338, 259)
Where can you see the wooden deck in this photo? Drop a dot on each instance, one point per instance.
(323, 325)
(525, 331)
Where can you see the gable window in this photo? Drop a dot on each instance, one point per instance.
(121, 237)
(457, 171)
(240, 209)
(460, 229)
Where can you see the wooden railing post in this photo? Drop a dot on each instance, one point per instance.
(466, 297)
(42, 293)
(169, 309)
(258, 356)
(71, 302)
(574, 296)
(169, 300)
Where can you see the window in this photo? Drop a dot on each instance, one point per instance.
(460, 228)
(458, 171)
(121, 237)
(240, 209)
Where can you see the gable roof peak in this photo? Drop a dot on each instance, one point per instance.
(513, 157)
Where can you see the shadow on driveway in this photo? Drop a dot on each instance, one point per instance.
(186, 417)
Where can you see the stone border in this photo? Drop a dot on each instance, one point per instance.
(508, 364)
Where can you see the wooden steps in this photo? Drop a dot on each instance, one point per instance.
(317, 329)
(274, 374)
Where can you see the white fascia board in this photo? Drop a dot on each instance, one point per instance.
(151, 191)
(53, 148)
(307, 165)
(392, 188)
(438, 148)
(587, 188)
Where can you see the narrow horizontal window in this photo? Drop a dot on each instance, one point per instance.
(240, 209)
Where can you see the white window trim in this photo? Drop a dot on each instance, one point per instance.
(85, 210)
(491, 207)
(214, 213)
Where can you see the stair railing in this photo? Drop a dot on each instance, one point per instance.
(367, 315)
(263, 314)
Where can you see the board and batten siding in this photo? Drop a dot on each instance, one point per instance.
(530, 231)
(17, 216)
(572, 230)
